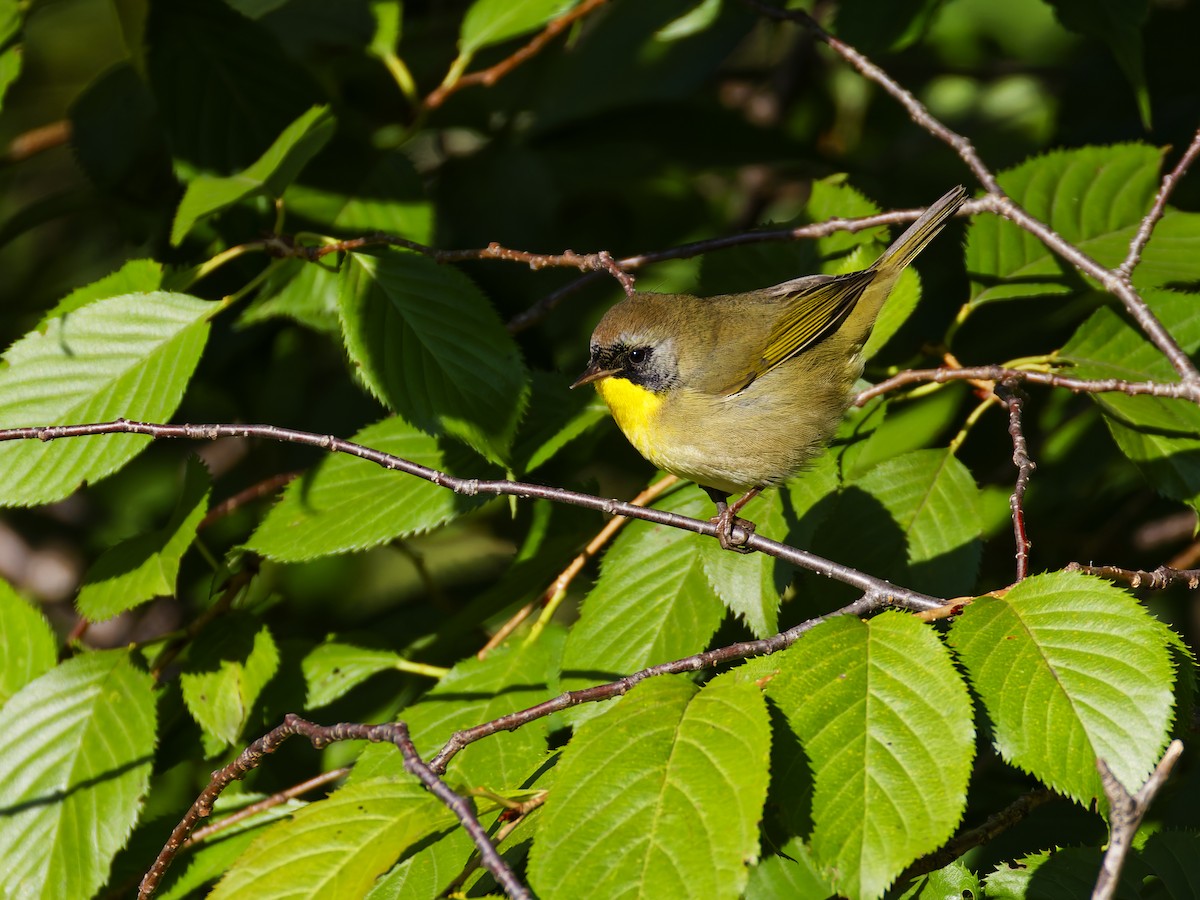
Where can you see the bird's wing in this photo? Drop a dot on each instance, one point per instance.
(810, 313)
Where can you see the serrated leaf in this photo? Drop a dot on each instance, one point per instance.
(333, 668)
(1171, 856)
(952, 881)
(429, 345)
(489, 22)
(660, 798)
(428, 871)
(30, 648)
(147, 565)
(790, 875)
(1066, 872)
(338, 846)
(137, 276)
(388, 196)
(557, 416)
(475, 691)
(347, 503)
(301, 291)
(652, 603)
(228, 666)
(1157, 433)
(128, 356)
(886, 723)
(1070, 668)
(76, 747)
(1119, 24)
(271, 173)
(1095, 198)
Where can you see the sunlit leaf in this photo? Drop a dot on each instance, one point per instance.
(30, 648)
(492, 21)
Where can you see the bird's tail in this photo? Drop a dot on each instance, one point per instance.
(906, 247)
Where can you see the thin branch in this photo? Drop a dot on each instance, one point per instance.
(865, 605)
(488, 77)
(995, 825)
(997, 201)
(470, 487)
(1125, 814)
(249, 495)
(1142, 238)
(1014, 401)
(232, 588)
(277, 799)
(1179, 390)
(1161, 578)
(37, 140)
(322, 736)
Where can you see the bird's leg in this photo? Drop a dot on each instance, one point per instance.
(726, 519)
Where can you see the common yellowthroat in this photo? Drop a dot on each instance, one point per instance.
(737, 392)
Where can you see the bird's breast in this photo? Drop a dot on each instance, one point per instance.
(635, 410)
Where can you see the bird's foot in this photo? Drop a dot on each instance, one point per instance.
(732, 532)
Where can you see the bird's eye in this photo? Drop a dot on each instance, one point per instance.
(638, 355)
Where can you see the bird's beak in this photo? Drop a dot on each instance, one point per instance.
(593, 373)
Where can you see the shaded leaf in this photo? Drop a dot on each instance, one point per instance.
(1070, 668)
(129, 356)
(660, 798)
(886, 723)
(347, 503)
(271, 173)
(789, 875)
(428, 344)
(76, 747)
(1067, 872)
(146, 566)
(492, 21)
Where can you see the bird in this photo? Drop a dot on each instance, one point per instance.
(739, 392)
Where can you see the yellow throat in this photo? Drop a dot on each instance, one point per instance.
(635, 410)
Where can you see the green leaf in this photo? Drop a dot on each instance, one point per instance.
(428, 344)
(1159, 434)
(347, 503)
(76, 747)
(271, 173)
(660, 798)
(1066, 872)
(389, 17)
(1095, 198)
(1119, 24)
(146, 566)
(30, 648)
(652, 603)
(228, 666)
(337, 847)
(874, 28)
(474, 691)
(952, 881)
(1070, 668)
(387, 197)
(886, 722)
(696, 20)
(1171, 856)
(11, 16)
(333, 668)
(137, 276)
(129, 356)
(557, 416)
(490, 22)
(790, 875)
(301, 291)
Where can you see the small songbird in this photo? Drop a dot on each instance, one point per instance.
(738, 392)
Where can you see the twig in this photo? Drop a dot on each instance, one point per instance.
(1161, 578)
(558, 588)
(469, 487)
(869, 603)
(1125, 814)
(321, 736)
(994, 826)
(248, 812)
(488, 77)
(1142, 238)
(249, 495)
(232, 588)
(1014, 401)
(1178, 390)
(997, 201)
(38, 140)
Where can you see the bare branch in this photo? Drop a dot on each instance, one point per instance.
(1142, 238)
(1125, 814)
(1014, 401)
(37, 140)
(1179, 390)
(471, 487)
(1161, 578)
(322, 736)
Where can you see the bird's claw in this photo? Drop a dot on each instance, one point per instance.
(726, 523)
